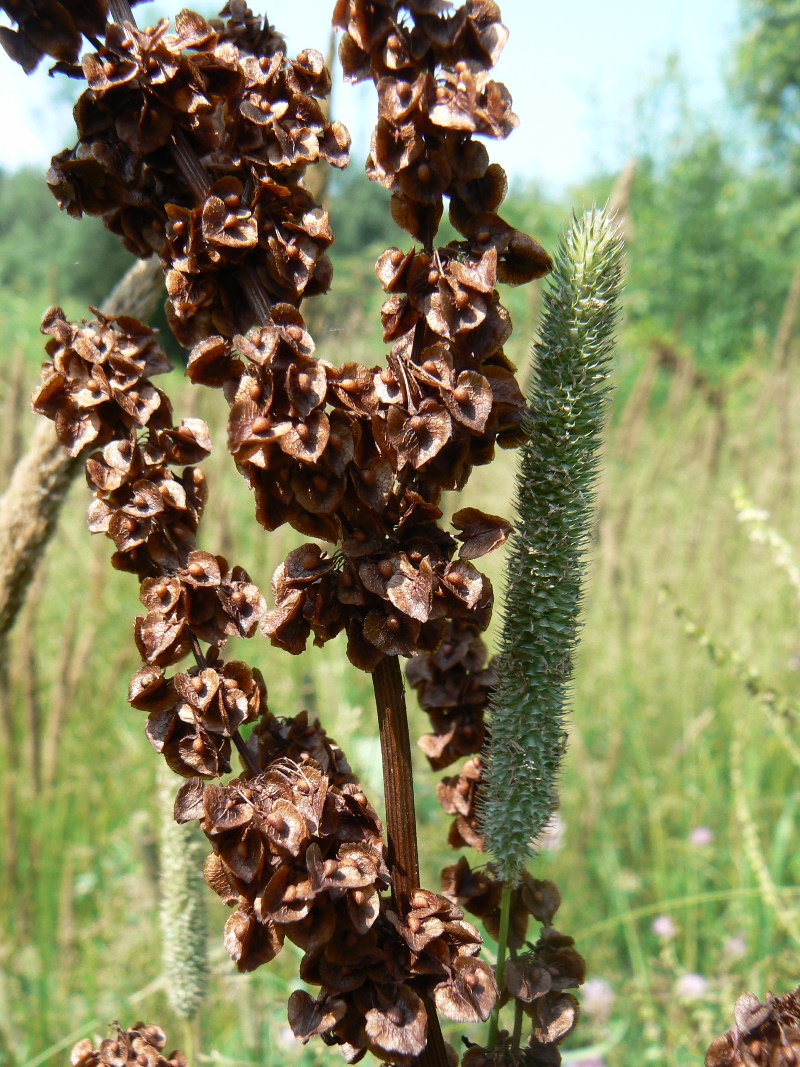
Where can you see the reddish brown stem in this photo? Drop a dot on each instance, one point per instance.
(244, 752)
(398, 783)
(241, 745)
(193, 171)
(401, 821)
(197, 652)
(195, 176)
(120, 11)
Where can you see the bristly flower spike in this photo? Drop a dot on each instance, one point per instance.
(567, 399)
(183, 919)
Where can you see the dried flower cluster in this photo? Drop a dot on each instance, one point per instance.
(248, 121)
(297, 848)
(96, 389)
(341, 456)
(50, 27)
(360, 456)
(355, 456)
(765, 1035)
(139, 1046)
(96, 382)
(373, 465)
(193, 145)
(534, 980)
(299, 852)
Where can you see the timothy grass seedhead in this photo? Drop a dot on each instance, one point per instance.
(183, 919)
(567, 401)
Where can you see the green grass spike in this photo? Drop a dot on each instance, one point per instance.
(184, 950)
(558, 465)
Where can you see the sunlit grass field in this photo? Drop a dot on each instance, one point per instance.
(680, 791)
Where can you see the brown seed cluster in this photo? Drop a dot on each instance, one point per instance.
(347, 455)
(97, 390)
(50, 27)
(765, 1035)
(459, 796)
(431, 66)
(248, 121)
(299, 853)
(536, 979)
(298, 850)
(453, 686)
(193, 144)
(193, 715)
(96, 382)
(359, 456)
(141, 1046)
(478, 892)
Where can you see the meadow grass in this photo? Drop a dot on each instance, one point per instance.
(664, 740)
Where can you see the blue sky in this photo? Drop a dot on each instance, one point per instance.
(574, 68)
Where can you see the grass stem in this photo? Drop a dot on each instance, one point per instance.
(191, 1040)
(502, 945)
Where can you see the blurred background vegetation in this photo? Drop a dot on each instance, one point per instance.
(675, 843)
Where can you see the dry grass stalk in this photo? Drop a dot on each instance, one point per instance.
(687, 378)
(784, 381)
(781, 713)
(788, 324)
(620, 200)
(683, 379)
(613, 530)
(776, 393)
(11, 839)
(785, 915)
(592, 771)
(779, 386)
(67, 930)
(717, 436)
(13, 405)
(31, 504)
(27, 667)
(634, 414)
(762, 533)
(7, 713)
(75, 648)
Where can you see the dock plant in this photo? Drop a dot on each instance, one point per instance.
(194, 143)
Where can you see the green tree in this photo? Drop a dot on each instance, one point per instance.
(768, 72)
(42, 252)
(713, 253)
